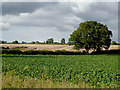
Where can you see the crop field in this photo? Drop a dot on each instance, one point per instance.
(66, 71)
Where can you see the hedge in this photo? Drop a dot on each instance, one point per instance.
(41, 52)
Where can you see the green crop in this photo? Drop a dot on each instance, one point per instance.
(95, 70)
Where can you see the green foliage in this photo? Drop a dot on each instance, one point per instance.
(98, 71)
(113, 43)
(50, 41)
(91, 35)
(63, 41)
(40, 52)
(4, 47)
(15, 42)
(3, 42)
(32, 42)
(37, 42)
(11, 51)
(23, 42)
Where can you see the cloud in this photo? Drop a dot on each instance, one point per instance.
(15, 8)
(57, 17)
(5, 26)
(60, 0)
(46, 17)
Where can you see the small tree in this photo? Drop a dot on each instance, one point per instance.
(32, 42)
(37, 42)
(3, 42)
(15, 42)
(91, 35)
(63, 41)
(23, 42)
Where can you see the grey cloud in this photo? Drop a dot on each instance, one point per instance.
(16, 8)
(106, 13)
(50, 16)
(58, 16)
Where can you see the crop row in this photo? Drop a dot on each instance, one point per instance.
(95, 70)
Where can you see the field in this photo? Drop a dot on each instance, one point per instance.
(65, 71)
(50, 47)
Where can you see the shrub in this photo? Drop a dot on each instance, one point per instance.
(11, 51)
(4, 47)
(41, 52)
(113, 43)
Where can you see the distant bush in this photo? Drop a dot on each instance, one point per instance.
(15, 42)
(21, 47)
(113, 43)
(58, 52)
(106, 52)
(4, 47)
(41, 52)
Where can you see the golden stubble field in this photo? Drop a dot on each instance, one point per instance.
(49, 47)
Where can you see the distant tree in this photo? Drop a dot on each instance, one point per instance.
(47, 42)
(114, 43)
(63, 41)
(50, 41)
(32, 42)
(3, 42)
(37, 42)
(23, 42)
(15, 42)
(56, 43)
(91, 35)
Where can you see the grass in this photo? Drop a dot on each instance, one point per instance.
(17, 82)
(60, 71)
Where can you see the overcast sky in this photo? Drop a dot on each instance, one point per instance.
(38, 21)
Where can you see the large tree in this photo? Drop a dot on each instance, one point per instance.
(91, 35)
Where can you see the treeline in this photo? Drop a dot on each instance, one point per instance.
(49, 41)
(40, 52)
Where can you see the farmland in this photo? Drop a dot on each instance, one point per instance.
(50, 47)
(66, 71)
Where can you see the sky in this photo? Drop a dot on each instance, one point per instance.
(38, 21)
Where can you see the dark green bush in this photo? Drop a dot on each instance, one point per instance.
(10, 51)
(106, 52)
(4, 47)
(113, 43)
(41, 52)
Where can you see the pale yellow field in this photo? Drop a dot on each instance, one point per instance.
(49, 47)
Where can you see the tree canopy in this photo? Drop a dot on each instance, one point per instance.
(50, 41)
(63, 40)
(91, 35)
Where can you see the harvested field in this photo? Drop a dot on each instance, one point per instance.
(49, 47)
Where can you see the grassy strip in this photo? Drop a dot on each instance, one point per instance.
(13, 81)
